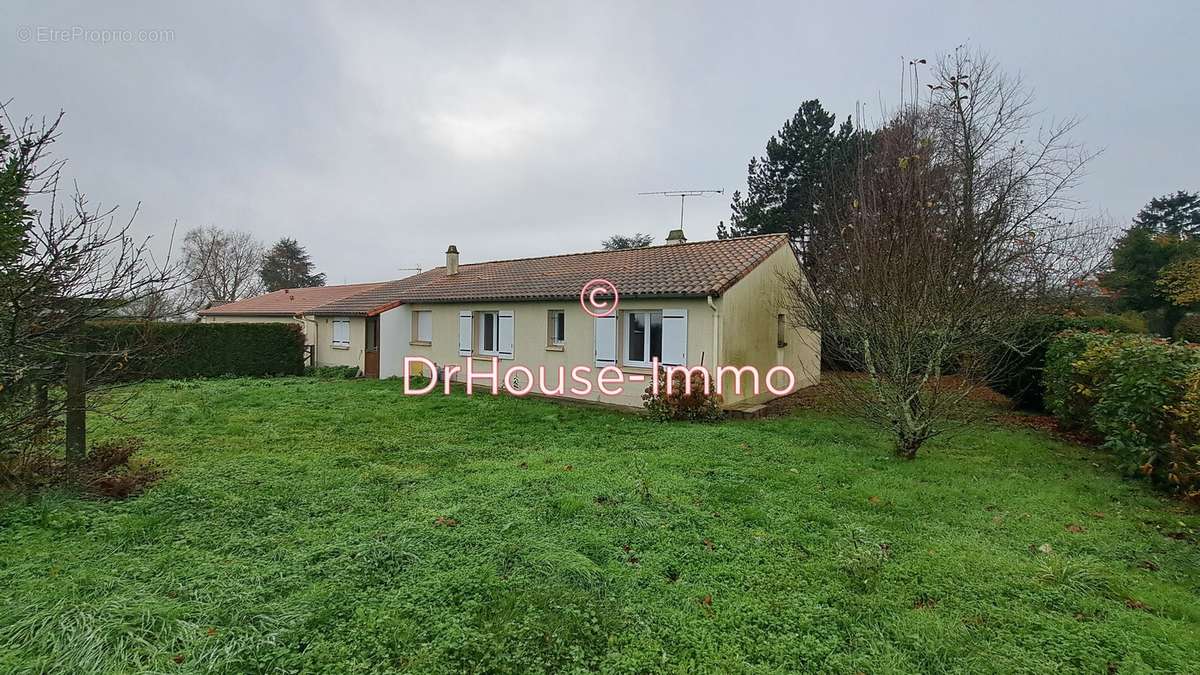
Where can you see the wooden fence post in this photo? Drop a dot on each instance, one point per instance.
(76, 408)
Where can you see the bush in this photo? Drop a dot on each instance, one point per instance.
(1140, 394)
(159, 350)
(1018, 368)
(332, 372)
(697, 404)
(1188, 328)
(108, 472)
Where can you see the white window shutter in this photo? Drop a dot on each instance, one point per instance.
(464, 333)
(606, 340)
(425, 326)
(504, 333)
(674, 337)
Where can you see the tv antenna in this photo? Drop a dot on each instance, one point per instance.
(683, 195)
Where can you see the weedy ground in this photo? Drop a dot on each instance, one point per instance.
(318, 525)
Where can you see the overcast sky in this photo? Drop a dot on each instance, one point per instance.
(377, 134)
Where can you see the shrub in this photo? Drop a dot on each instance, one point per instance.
(1188, 328)
(1140, 394)
(332, 372)
(697, 404)
(159, 350)
(1018, 367)
(108, 472)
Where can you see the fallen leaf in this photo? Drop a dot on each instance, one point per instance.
(443, 521)
(178, 658)
(706, 601)
(1046, 548)
(708, 543)
(568, 468)
(1075, 528)
(873, 499)
(211, 632)
(1149, 565)
(1097, 514)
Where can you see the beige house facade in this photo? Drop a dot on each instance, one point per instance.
(720, 306)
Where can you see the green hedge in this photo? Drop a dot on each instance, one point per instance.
(1188, 329)
(1140, 394)
(1017, 368)
(156, 350)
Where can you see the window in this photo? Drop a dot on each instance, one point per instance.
(341, 334)
(780, 334)
(422, 328)
(643, 337)
(488, 333)
(556, 328)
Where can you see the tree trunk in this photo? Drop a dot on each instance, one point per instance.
(76, 409)
(906, 446)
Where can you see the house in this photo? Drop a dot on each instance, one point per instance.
(712, 304)
(290, 305)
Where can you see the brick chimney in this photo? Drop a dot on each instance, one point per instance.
(676, 237)
(451, 260)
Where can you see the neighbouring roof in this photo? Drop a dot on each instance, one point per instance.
(678, 270)
(287, 302)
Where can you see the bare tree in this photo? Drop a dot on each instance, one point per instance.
(958, 227)
(221, 265)
(63, 264)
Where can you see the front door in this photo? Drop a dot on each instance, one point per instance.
(371, 356)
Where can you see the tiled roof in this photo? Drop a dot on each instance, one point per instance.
(287, 302)
(680, 270)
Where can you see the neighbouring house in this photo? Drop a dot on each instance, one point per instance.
(290, 305)
(708, 303)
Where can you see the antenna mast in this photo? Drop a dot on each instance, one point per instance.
(683, 195)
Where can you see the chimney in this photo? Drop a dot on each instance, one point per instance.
(676, 237)
(451, 260)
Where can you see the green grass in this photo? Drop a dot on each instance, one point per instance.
(296, 532)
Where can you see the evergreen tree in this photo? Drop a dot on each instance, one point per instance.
(1164, 236)
(287, 265)
(1177, 214)
(789, 186)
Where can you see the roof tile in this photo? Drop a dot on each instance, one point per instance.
(681, 270)
(287, 302)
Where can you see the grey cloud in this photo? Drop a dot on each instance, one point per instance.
(377, 134)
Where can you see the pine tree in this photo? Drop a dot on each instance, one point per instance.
(287, 265)
(1177, 214)
(787, 187)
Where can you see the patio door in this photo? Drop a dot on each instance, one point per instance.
(371, 354)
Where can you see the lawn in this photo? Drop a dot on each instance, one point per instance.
(311, 525)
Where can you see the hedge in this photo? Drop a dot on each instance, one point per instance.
(1141, 395)
(157, 350)
(1017, 371)
(1188, 329)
